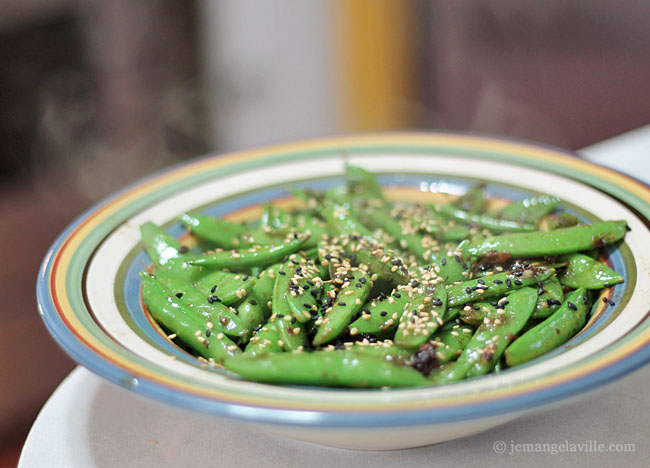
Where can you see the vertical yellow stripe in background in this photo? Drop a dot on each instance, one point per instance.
(376, 42)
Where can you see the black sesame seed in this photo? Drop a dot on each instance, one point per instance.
(397, 295)
(213, 288)
(342, 304)
(280, 315)
(212, 299)
(518, 282)
(480, 281)
(362, 280)
(253, 302)
(497, 281)
(307, 306)
(208, 333)
(396, 261)
(314, 293)
(605, 300)
(572, 306)
(183, 249)
(443, 262)
(383, 313)
(468, 290)
(245, 278)
(281, 273)
(508, 283)
(611, 303)
(179, 295)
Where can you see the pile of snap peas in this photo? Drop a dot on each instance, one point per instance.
(352, 290)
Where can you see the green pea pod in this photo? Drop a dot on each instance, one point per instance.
(552, 332)
(193, 330)
(474, 314)
(388, 267)
(472, 201)
(557, 242)
(490, 339)
(551, 298)
(422, 316)
(341, 220)
(346, 368)
(349, 300)
(291, 334)
(450, 267)
(216, 230)
(241, 260)
(362, 183)
(385, 350)
(485, 221)
(264, 340)
(303, 296)
(530, 210)
(450, 343)
(562, 220)
(312, 226)
(205, 305)
(380, 316)
(275, 218)
(228, 287)
(585, 272)
(495, 285)
(163, 249)
(380, 218)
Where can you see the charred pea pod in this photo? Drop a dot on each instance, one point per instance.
(495, 285)
(241, 260)
(422, 316)
(585, 272)
(530, 210)
(551, 297)
(557, 242)
(490, 339)
(485, 221)
(216, 230)
(195, 331)
(350, 299)
(552, 332)
(346, 368)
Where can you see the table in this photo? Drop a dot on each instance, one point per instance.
(88, 422)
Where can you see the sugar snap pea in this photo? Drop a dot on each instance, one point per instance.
(346, 368)
(552, 332)
(556, 242)
(239, 260)
(585, 272)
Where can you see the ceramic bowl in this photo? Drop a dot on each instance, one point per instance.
(88, 286)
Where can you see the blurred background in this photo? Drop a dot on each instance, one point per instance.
(97, 93)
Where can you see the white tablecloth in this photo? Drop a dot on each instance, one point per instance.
(89, 423)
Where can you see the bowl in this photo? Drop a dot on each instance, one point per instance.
(88, 286)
